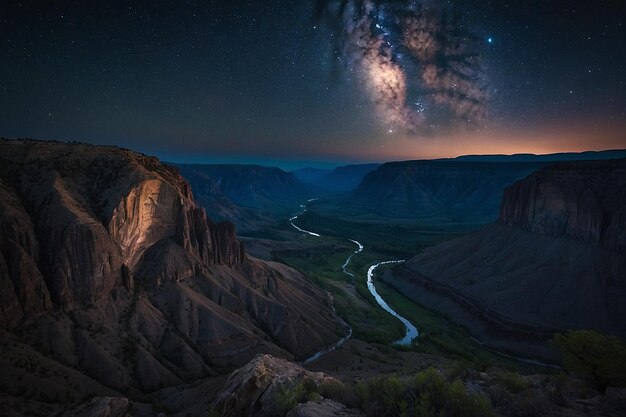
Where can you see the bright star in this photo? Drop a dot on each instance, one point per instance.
(489, 40)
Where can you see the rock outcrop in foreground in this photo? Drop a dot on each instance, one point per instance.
(114, 281)
(556, 260)
(255, 390)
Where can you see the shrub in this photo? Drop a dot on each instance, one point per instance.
(333, 389)
(599, 358)
(309, 385)
(513, 382)
(288, 397)
(313, 396)
(499, 396)
(459, 369)
(426, 394)
(436, 397)
(530, 404)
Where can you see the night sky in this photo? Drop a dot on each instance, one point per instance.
(336, 81)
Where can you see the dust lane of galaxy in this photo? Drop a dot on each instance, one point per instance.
(322, 81)
(418, 63)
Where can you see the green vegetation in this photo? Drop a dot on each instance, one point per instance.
(513, 382)
(427, 393)
(321, 260)
(288, 397)
(335, 390)
(321, 263)
(262, 234)
(599, 358)
(438, 335)
(385, 238)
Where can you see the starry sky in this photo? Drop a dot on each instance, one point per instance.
(291, 82)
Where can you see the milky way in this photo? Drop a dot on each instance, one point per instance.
(418, 63)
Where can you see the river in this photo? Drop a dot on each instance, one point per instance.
(411, 330)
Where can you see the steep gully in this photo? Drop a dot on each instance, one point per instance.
(411, 330)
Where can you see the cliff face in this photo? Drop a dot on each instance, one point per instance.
(436, 191)
(555, 261)
(254, 389)
(342, 179)
(268, 189)
(76, 220)
(109, 267)
(585, 201)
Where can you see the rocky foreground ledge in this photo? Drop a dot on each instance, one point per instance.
(258, 389)
(272, 387)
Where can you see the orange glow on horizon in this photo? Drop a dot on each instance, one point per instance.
(549, 141)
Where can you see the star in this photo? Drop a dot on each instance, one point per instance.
(489, 40)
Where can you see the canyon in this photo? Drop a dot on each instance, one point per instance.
(121, 296)
(115, 282)
(553, 261)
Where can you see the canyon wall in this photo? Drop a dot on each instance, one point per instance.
(583, 200)
(111, 273)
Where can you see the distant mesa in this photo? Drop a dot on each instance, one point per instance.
(466, 189)
(340, 179)
(251, 186)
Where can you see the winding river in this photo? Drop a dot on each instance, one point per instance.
(411, 330)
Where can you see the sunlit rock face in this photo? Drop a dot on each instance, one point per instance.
(156, 210)
(112, 269)
(76, 217)
(144, 216)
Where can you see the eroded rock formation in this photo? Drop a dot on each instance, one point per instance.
(108, 266)
(554, 261)
(580, 200)
(252, 390)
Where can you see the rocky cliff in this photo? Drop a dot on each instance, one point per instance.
(76, 221)
(268, 189)
(436, 191)
(554, 261)
(258, 390)
(341, 179)
(584, 200)
(110, 273)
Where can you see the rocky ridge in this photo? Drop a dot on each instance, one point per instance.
(435, 191)
(584, 201)
(110, 273)
(253, 391)
(554, 261)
